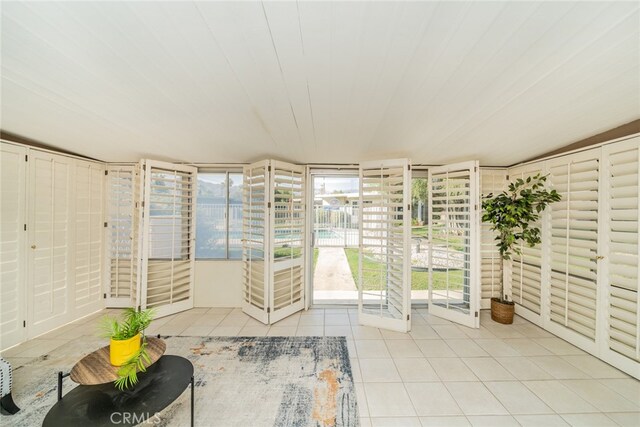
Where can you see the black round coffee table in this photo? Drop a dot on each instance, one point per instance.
(105, 405)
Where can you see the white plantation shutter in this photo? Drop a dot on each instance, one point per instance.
(89, 231)
(454, 231)
(492, 181)
(526, 267)
(255, 240)
(49, 266)
(287, 239)
(574, 242)
(385, 229)
(12, 244)
(622, 164)
(121, 250)
(168, 252)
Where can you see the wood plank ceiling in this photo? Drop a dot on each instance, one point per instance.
(318, 82)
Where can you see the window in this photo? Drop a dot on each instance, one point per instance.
(219, 215)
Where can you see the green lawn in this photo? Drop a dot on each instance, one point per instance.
(419, 279)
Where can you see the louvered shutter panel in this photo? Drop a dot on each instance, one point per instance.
(623, 263)
(287, 239)
(12, 247)
(120, 222)
(574, 242)
(255, 240)
(526, 267)
(168, 237)
(492, 181)
(454, 232)
(385, 221)
(89, 232)
(49, 233)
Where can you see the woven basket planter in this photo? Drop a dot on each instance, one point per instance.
(502, 311)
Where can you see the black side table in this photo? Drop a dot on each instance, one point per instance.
(105, 405)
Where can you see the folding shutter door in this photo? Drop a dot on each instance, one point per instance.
(49, 222)
(89, 231)
(385, 228)
(255, 240)
(287, 239)
(526, 267)
(574, 244)
(492, 181)
(12, 235)
(121, 252)
(622, 164)
(454, 229)
(168, 237)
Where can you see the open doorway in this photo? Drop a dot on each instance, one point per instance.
(335, 238)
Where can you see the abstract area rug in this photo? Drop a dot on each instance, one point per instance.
(240, 381)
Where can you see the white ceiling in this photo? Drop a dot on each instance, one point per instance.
(318, 82)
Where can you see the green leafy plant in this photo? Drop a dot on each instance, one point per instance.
(134, 322)
(513, 212)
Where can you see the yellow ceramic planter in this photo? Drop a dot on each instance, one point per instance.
(122, 350)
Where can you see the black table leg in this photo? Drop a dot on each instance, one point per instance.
(192, 403)
(60, 377)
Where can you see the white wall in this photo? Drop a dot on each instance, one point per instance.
(218, 283)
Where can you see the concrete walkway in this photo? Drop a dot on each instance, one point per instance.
(332, 271)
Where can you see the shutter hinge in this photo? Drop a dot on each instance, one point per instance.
(105, 225)
(269, 168)
(507, 178)
(409, 167)
(268, 310)
(24, 323)
(142, 204)
(476, 314)
(269, 205)
(26, 157)
(25, 227)
(475, 169)
(104, 296)
(106, 172)
(408, 206)
(408, 316)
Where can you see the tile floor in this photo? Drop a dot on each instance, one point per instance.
(439, 374)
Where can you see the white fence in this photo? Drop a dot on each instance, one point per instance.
(336, 226)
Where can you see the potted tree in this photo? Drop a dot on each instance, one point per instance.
(512, 214)
(127, 346)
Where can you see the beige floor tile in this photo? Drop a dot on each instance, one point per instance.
(435, 348)
(313, 331)
(626, 387)
(197, 331)
(40, 347)
(338, 331)
(396, 422)
(589, 420)
(388, 400)
(415, 370)
(292, 320)
(449, 331)
(478, 333)
(361, 396)
(466, 348)
(527, 347)
(497, 347)
(372, 349)
(254, 331)
(503, 331)
(365, 422)
(423, 333)
(517, 398)
(625, 419)
(393, 335)
(432, 398)
(355, 370)
(311, 320)
(282, 331)
(379, 370)
(225, 331)
(336, 320)
(493, 421)
(541, 421)
(594, 367)
(600, 396)
(523, 369)
(558, 367)
(365, 333)
(451, 369)
(559, 397)
(403, 349)
(532, 331)
(451, 421)
(487, 369)
(558, 346)
(475, 399)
